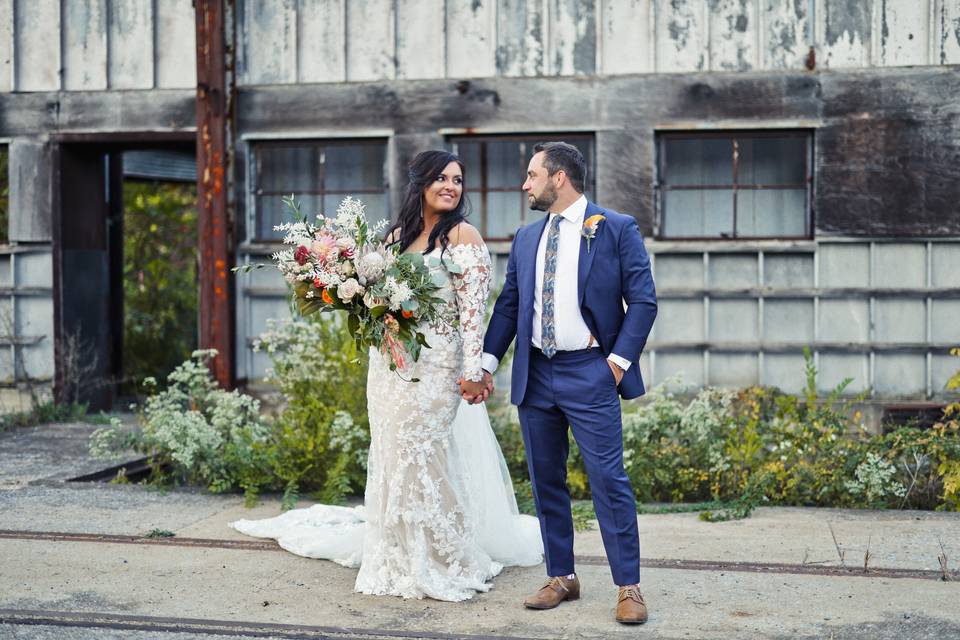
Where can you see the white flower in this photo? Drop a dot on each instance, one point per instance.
(346, 243)
(348, 211)
(399, 292)
(371, 300)
(346, 268)
(371, 265)
(349, 289)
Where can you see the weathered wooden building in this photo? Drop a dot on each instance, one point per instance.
(794, 165)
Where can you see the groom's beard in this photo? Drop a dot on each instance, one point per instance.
(545, 200)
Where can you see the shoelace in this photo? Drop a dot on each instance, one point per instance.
(633, 593)
(555, 582)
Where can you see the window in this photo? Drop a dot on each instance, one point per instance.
(319, 174)
(496, 170)
(735, 185)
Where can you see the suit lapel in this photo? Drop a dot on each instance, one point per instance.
(586, 257)
(531, 244)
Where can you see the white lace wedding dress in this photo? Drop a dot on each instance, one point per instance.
(439, 518)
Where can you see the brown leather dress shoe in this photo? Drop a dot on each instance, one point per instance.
(631, 609)
(553, 592)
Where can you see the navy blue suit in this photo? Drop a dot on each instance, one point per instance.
(577, 388)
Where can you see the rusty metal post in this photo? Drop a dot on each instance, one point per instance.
(214, 84)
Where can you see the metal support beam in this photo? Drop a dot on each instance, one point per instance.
(214, 117)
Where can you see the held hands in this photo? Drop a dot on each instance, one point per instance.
(476, 392)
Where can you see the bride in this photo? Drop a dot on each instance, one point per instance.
(439, 518)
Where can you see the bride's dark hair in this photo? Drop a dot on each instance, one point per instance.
(423, 170)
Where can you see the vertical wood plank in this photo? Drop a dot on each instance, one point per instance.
(846, 30)
(420, 36)
(521, 38)
(904, 33)
(31, 191)
(371, 40)
(732, 35)
(36, 45)
(270, 41)
(573, 37)
(6, 45)
(471, 38)
(948, 33)
(320, 41)
(130, 44)
(176, 58)
(786, 35)
(682, 36)
(626, 29)
(85, 45)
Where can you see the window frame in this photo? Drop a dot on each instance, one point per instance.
(524, 139)
(255, 192)
(661, 187)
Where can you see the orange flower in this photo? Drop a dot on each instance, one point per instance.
(325, 296)
(406, 314)
(593, 220)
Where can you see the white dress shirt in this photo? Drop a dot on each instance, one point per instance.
(572, 333)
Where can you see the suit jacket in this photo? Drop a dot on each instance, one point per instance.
(615, 270)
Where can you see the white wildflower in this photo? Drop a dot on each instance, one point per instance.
(875, 479)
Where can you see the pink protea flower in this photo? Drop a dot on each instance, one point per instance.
(325, 248)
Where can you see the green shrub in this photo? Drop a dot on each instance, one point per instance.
(197, 433)
(733, 450)
(320, 439)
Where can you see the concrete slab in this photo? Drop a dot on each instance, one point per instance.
(50, 452)
(268, 586)
(256, 586)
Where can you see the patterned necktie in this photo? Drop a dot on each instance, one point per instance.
(548, 338)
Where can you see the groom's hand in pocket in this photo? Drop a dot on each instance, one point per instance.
(617, 371)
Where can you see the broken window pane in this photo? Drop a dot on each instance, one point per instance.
(319, 175)
(496, 167)
(734, 185)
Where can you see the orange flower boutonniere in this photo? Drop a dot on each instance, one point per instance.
(589, 230)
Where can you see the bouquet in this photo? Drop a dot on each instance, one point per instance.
(340, 263)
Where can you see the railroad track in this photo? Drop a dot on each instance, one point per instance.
(588, 560)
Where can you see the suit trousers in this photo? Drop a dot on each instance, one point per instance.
(577, 388)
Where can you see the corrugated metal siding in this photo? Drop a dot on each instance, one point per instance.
(86, 45)
(314, 41)
(883, 313)
(26, 315)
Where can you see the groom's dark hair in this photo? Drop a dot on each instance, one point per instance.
(561, 155)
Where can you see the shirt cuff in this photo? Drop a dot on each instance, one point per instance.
(489, 362)
(623, 363)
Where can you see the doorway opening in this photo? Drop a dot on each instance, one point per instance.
(126, 264)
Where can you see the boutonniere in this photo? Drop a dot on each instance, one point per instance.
(589, 230)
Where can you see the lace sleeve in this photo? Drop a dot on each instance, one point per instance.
(471, 282)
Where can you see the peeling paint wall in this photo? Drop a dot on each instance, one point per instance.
(432, 39)
(49, 45)
(90, 45)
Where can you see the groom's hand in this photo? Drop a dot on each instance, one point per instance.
(617, 371)
(488, 382)
(473, 392)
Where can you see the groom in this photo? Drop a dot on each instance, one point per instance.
(579, 299)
